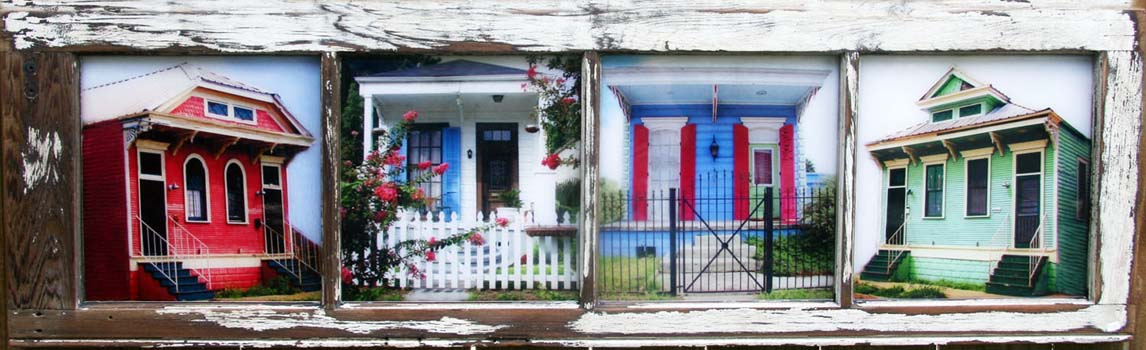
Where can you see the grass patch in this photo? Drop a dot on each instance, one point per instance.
(277, 286)
(536, 270)
(793, 294)
(899, 292)
(523, 295)
(978, 287)
(795, 255)
(628, 278)
(373, 294)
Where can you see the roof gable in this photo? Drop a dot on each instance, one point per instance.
(954, 80)
(164, 89)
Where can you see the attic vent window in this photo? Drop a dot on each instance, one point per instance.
(971, 110)
(941, 116)
(218, 108)
(249, 115)
(224, 110)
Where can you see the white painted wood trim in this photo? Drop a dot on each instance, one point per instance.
(935, 158)
(896, 163)
(707, 25)
(977, 153)
(149, 145)
(763, 129)
(1024, 147)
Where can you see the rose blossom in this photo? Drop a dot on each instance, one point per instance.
(410, 116)
(476, 239)
(503, 222)
(441, 169)
(386, 192)
(430, 256)
(532, 72)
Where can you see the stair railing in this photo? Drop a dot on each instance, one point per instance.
(1032, 261)
(895, 239)
(185, 245)
(997, 253)
(305, 251)
(153, 244)
(276, 239)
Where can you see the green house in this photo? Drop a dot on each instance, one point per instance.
(985, 191)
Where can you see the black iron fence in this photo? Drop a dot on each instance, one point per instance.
(666, 242)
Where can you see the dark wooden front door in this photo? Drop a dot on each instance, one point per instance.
(896, 205)
(153, 214)
(497, 163)
(1027, 203)
(273, 215)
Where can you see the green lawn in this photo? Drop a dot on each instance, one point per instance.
(795, 294)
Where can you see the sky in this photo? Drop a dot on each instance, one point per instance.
(295, 79)
(819, 119)
(889, 86)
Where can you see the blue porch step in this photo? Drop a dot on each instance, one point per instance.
(180, 282)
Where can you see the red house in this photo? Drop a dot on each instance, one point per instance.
(185, 182)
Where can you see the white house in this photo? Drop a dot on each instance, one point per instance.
(473, 115)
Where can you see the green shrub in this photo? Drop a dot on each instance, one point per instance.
(569, 196)
(612, 203)
(621, 275)
(899, 292)
(924, 292)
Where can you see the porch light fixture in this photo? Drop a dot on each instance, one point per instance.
(498, 98)
(470, 154)
(714, 148)
(172, 187)
(532, 128)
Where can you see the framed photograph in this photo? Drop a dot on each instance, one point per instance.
(197, 180)
(572, 174)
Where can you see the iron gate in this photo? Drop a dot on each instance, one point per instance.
(718, 261)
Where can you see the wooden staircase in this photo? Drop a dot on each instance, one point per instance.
(883, 265)
(181, 282)
(1017, 275)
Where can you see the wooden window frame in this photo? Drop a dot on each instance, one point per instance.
(206, 190)
(42, 132)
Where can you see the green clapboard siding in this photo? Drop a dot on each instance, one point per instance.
(1074, 241)
(934, 269)
(955, 228)
(951, 86)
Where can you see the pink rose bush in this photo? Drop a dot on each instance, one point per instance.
(560, 109)
(372, 195)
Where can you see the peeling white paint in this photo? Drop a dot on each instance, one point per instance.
(263, 319)
(1122, 125)
(779, 26)
(1107, 318)
(549, 305)
(41, 157)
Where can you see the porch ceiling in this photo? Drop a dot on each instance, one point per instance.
(394, 105)
(750, 94)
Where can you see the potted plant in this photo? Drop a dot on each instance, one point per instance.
(511, 200)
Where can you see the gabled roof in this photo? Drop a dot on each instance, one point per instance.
(457, 68)
(1003, 114)
(969, 88)
(158, 90)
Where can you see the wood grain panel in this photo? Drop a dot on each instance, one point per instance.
(590, 176)
(331, 173)
(41, 131)
(509, 25)
(845, 194)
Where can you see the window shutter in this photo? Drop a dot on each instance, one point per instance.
(787, 172)
(687, 171)
(740, 171)
(451, 181)
(640, 172)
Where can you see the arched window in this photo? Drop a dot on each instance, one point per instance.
(236, 181)
(195, 181)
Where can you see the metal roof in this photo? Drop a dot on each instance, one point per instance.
(1003, 113)
(455, 68)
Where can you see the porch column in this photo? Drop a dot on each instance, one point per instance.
(367, 124)
(543, 191)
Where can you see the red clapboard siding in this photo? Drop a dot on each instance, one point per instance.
(194, 107)
(740, 171)
(107, 274)
(687, 171)
(787, 173)
(267, 122)
(640, 172)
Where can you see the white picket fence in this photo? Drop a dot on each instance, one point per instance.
(509, 259)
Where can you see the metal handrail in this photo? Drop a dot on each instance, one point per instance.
(197, 248)
(898, 253)
(166, 243)
(1032, 261)
(1003, 228)
(300, 249)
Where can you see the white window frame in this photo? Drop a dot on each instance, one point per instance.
(230, 111)
(983, 153)
(226, 189)
(891, 165)
(206, 188)
(1017, 150)
(263, 181)
(929, 161)
(752, 165)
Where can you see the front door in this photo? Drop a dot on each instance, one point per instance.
(496, 163)
(275, 233)
(152, 204)
(896, 205)
(1028, 200)
(765, 175)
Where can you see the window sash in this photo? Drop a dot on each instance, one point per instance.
(933, 201)
(978, 177)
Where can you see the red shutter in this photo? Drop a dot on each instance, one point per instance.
(640, 172)
(787, 174)
(687, 171)
(740, 171)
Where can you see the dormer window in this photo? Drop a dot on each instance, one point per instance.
(967, 111)
(224, 110)
(942, 115)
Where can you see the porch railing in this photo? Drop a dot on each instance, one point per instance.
(897, 240)
(509, 259)
(1033, 261)
(999, 249)
(294, 246)
(179, 246)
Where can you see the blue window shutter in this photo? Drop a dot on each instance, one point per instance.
(401, 178)
(452, 181)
